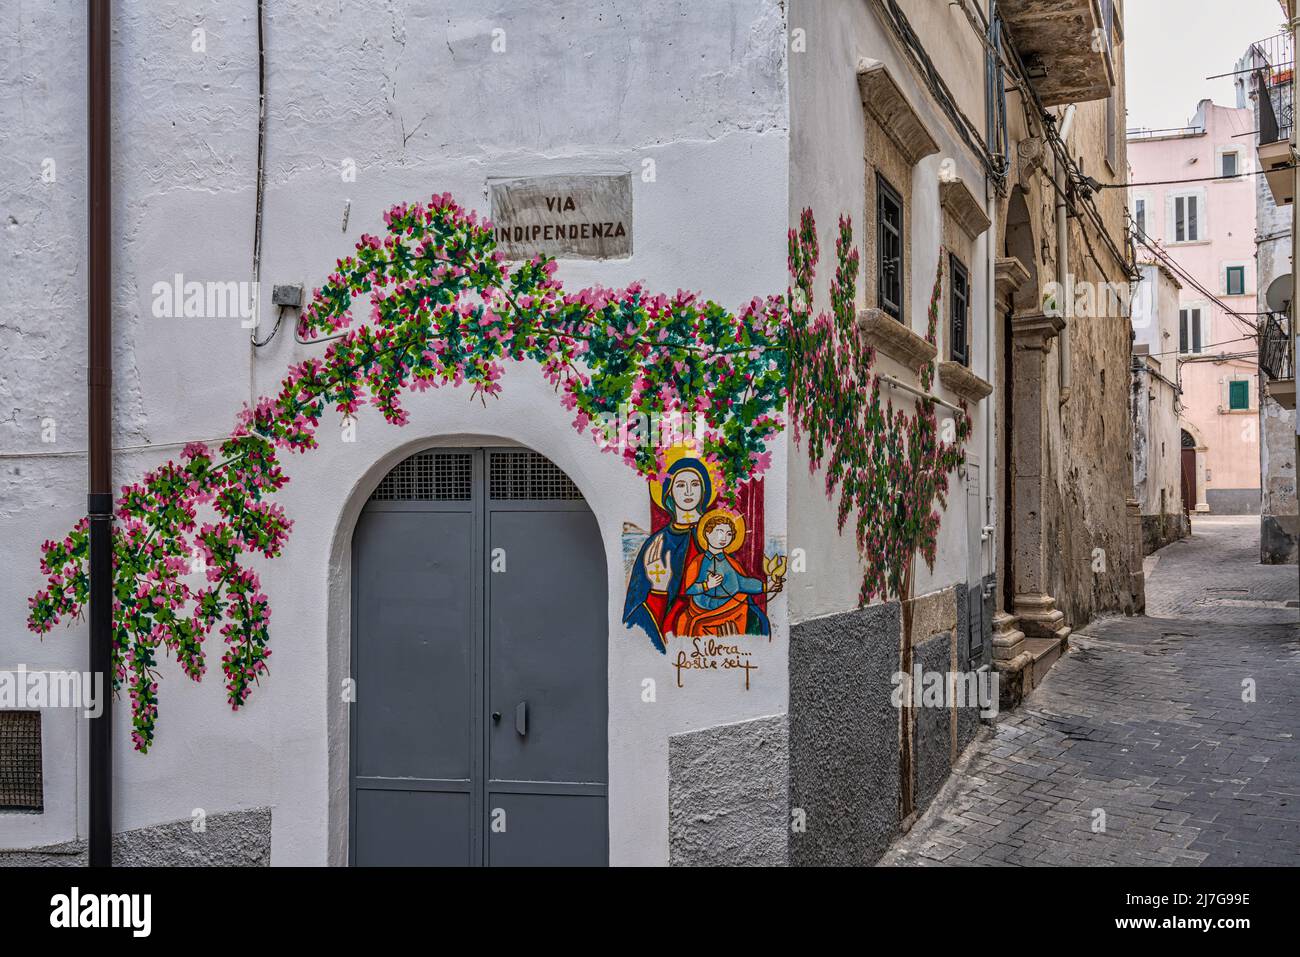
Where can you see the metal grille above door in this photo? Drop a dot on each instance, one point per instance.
(528, 476)
(433, 476)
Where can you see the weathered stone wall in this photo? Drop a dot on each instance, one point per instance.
(1279, 524)
(1089, 547)
(1159, 530)
(1091, 440)
(1088, 433)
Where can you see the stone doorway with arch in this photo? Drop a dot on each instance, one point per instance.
(1192, 453)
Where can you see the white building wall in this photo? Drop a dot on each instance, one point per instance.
(418, 100)
(829, 175)
(1157, 433)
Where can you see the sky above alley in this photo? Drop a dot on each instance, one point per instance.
(1172, 46)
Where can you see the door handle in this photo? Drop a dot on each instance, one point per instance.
(521, 717)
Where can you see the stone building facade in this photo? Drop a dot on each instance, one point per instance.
(1070, 542)
(808, 740)
(1268, 90)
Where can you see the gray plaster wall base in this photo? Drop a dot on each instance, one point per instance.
(1233, 501)
(980, 637)
(844, 736)
(970, 635)
(932, 725)
(231, 839)
(966, 639)
(727, 791)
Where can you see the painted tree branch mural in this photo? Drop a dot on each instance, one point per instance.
(446, 310)
(890, 468)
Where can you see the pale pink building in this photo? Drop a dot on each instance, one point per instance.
(1204, 230)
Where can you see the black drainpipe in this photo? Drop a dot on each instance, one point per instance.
(99, 501)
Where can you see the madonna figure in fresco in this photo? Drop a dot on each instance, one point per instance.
(656, 580)
(717, 597)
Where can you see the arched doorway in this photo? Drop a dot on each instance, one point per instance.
(1192, 453)
(1188, 461)
(479, 652)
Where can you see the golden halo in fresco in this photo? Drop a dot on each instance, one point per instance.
(685, 450)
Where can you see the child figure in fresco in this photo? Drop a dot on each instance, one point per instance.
(717, 597)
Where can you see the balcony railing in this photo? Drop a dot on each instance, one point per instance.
(1168, 132)
(1273, 62)
(1276, 108)
(1275, 349)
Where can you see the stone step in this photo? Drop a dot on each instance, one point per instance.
(1045, 652)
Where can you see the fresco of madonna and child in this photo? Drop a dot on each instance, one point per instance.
(686, 579)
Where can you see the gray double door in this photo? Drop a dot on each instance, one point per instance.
(479, 635)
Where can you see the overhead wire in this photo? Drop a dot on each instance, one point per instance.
(1095, 185)
(941, 92)
(1204, 346)
(1174, 266)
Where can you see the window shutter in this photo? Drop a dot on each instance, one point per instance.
(1182, 330)
(1236, 280)
(959, 310)
(890, 247)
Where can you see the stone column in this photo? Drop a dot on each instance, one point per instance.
(1201, 505)
(1010, 658)
(1035, 608)
(1137, 578)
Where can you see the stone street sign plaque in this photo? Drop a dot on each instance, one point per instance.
(568, 217)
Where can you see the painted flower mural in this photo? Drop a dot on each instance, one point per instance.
(446, 310)
(889, 467)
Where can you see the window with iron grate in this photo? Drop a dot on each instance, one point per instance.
(21, 781)
(959, 310)
(889, 248)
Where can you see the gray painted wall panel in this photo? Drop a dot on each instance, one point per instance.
(727, 794)
(1233, 501)
(232, 839)
(933, 725)
(844, 736)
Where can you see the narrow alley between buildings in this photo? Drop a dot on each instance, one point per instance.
(1164, 739)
